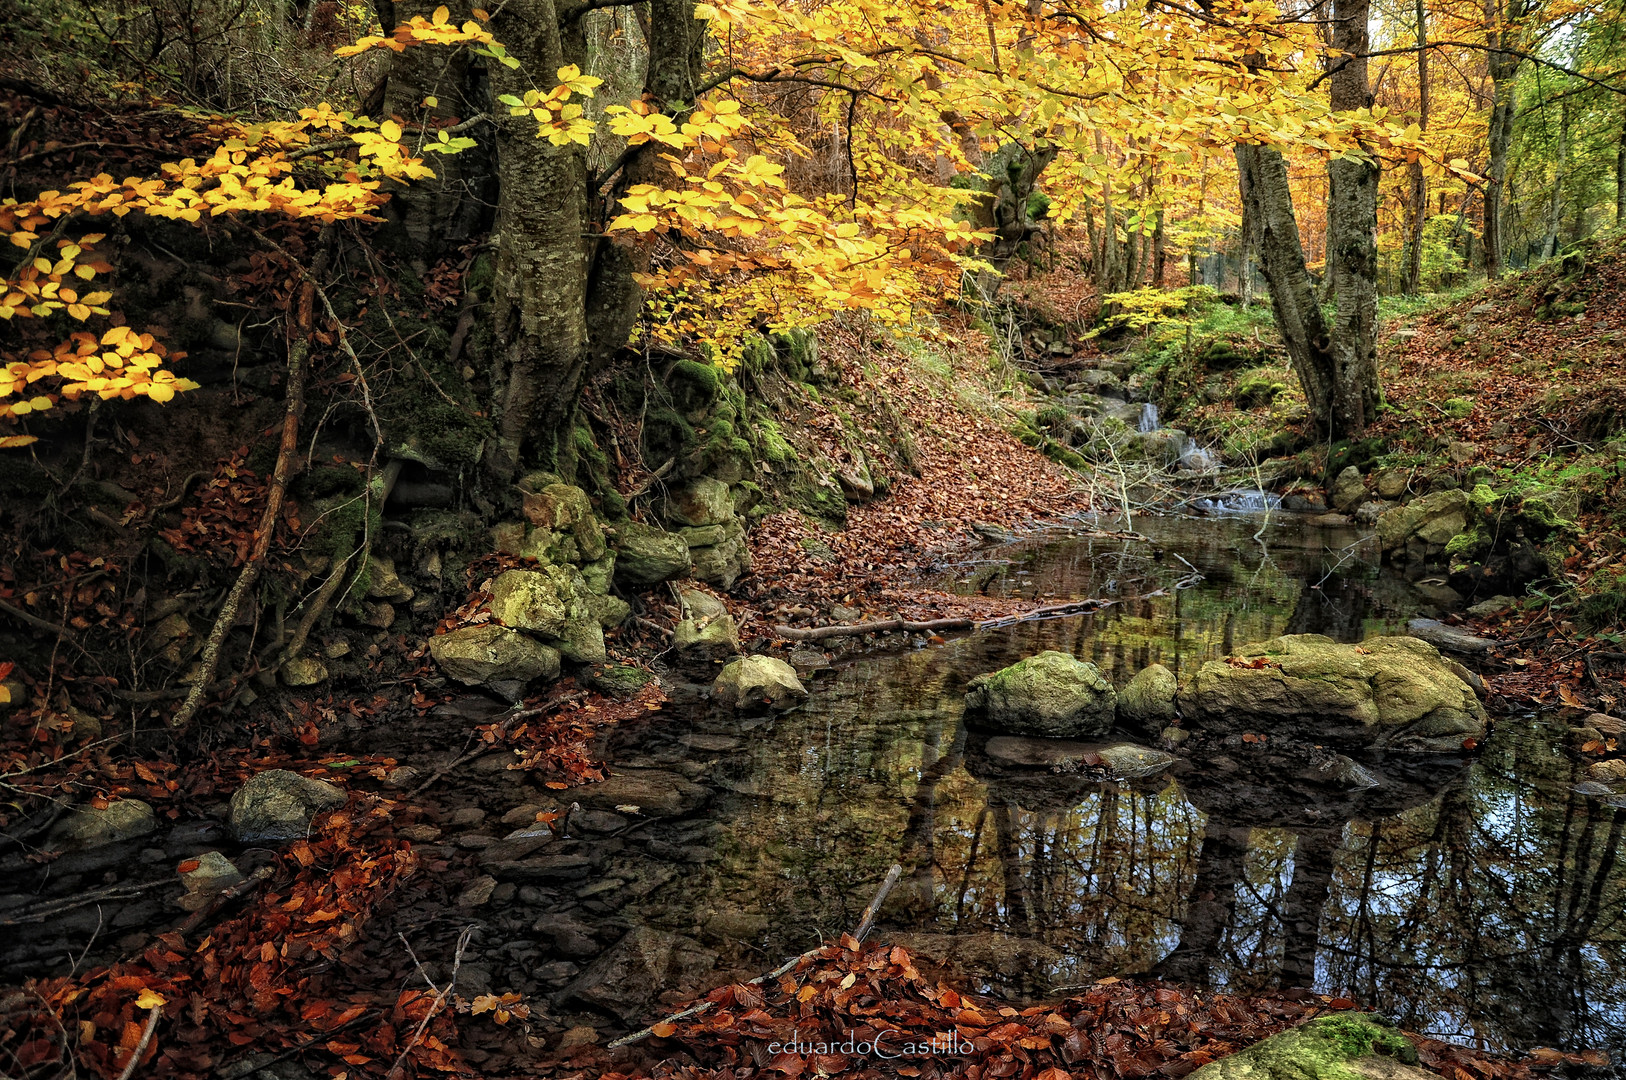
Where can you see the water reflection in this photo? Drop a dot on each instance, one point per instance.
(1478, 901)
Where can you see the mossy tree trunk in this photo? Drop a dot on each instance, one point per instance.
(1352, 245)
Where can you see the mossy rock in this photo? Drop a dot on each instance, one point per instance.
(1053, 694)
(537, 600)
(1148, 700)
(646, 555)
(618, 680)
(1342, 1046)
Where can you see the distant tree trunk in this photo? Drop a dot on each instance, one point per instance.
(1352, 254)
(1620, 174)
(1501, 31)
(1555, 204)
(1272, 231)
(1160, 255)
(1419, 183)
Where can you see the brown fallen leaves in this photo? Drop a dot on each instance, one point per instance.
(868, 1013)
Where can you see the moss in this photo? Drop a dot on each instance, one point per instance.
(800, 345)
(481, 275)
(1457, 408)
(1257, 388)
(694, 385)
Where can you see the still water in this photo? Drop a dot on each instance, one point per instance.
(1476, 898)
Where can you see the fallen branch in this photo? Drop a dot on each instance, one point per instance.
(884, 626)
(865, 921)
(442, 993)
(33, 620)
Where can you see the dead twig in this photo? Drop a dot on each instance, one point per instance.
(435, 1006)
(865, 921)
(146, 1040)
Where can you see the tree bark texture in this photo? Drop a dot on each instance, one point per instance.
(1352, 252)
(1273, 234)
(1501, 33)
(1419, 183)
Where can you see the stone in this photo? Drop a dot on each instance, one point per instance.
(627, 979)
(1606, 724)
(705, 536)
(378, 614)
(278, 805)
(1124, 761)
(303, 671)
(1391, 483)
(1052, 694)
(536, 600)
(654, 792)
(707, 639)
(90, 827)
(383, 583)
(402, 777)
(85, 726)
(610, 611)
(1148, 700)
(1460, 452)
(618, 680)
(647, 556)
(581, 1035)
(487, 654)
(213, 873)
(477, 893)
(540, 868)
(722, 564)
(1450, 638)
(563, 508)
(705, 501)
(842, 613)
(1434, 519)
(599, 574)
(13, 693)
(1338, 1046)
(1613, 769)
(755, 680)
(808, 660)
(1393, 692)
(581, 638)
(1485, 609)
(1348, 490)
(173, 638)
(701, 605)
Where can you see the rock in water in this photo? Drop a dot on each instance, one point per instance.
(1394, 692)
(626, 980)
(277, 805)
(1341, 1046)
(1348, 490)
(1147, 701)
(1434, 520)
(89, 827)
(1051, 694)
(1450, 638)
(752, 680)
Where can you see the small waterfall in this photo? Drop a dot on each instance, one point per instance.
(1148, 418)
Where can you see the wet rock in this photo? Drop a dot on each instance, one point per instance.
(91, 827)
(1613, 769)
(704, 502)
(1396, 692)
(1450, 638)
(384, 583)
(1606, 724)
(1052, 694)
(1367, 513)
(1348, 490)
(570, 936)
(1126, 761)
(477, 893)
(277, 805)
(519, 844)
(757, 680)
(646, 555)
(710, 638)
(493, 654)
(1433, 519)
(701, 740)
(1494, 606)
(571, 867)
(627, 980)
(205, 881)
(1339, 1045)
(595, 821)
(537, 600)
(736, 924)
(1304, 504)
(303, 671)
(618, 680)
(1343, 772)
(653, 792)
(808, 660)
(1148, 700)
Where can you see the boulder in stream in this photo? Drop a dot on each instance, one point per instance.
(278, 805)
(755, 680)
(1148, 700)
(1432, 520)
(1393, 692)
(1052, 694)
(1340, 1046)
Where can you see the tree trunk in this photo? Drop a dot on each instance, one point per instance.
(1419, 183)
(1620, 174)
(1352, 254)
(540, 289)
(1555, 204)
(1273, 232)
(1501, 32)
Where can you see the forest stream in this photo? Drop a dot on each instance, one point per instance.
(1473, 897)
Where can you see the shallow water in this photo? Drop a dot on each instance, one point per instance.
(1475, 899)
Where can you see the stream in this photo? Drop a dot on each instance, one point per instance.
(1476, 898)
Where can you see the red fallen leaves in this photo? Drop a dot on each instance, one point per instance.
(826, 1017)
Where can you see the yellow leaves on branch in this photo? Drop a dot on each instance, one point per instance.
(558, 119)
(435, 30)
(121, 363)
(41, 286)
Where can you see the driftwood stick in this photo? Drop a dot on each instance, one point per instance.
(864, 923)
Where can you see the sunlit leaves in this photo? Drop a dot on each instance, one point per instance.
(435, 30)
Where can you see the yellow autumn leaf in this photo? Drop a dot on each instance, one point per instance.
(150, 999)
(389, 129)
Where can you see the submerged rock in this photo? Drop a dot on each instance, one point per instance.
(1342, 1046)
(90, 827)
(1396, 692)
(1123, 761)
(644, 964)
(755, 680)
(278, 805)
(1052, 694)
